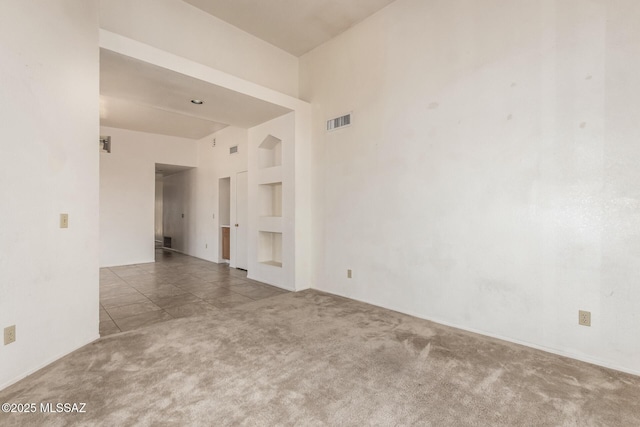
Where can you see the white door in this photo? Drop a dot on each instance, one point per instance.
(242, 190)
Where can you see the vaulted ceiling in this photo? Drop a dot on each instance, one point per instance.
(139, 96)
(296, 26)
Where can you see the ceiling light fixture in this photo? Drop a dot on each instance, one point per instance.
(197, 101)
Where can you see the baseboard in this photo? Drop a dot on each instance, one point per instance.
(45, 364)
(193, 256)
(251, 277)
(128, 264)
(568, 354)
(173, 250)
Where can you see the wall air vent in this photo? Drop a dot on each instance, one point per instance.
(233, 150)
(339, 122)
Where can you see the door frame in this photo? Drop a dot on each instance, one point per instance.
(235, 243)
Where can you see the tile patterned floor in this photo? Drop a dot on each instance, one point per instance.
(174, 286)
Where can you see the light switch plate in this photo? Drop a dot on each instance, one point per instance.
(64, 220)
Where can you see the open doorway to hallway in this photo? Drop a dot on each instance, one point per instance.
(233, 234)
(171, 221)
(158, 234)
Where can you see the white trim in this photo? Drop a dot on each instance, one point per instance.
(128, 264)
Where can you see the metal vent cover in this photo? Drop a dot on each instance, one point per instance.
(233, 150)
(339, 122)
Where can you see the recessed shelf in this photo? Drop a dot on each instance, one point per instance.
(270, 199)
(270, 152)
(272, 263)
(270, 175)
(270, 223)
(270, 248)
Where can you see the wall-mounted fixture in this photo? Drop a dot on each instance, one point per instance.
(105, 144)
(197, 101)
(339, 122)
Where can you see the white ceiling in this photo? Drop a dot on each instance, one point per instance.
(140, 96)
(296, 26)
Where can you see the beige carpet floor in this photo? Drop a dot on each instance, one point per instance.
(310, 359)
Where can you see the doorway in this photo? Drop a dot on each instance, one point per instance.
(171, 225)
(242, 215)
(159, 234)
(224, 215)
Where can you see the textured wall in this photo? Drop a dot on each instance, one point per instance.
(48, 166)
(127, 192)
(489, 179)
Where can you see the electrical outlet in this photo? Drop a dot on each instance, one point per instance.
(349, 274)
(64, 220)
(584, 318)
(9, 334)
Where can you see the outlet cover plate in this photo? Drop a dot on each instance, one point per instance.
(9, 334)
(584, 318)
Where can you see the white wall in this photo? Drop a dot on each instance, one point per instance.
(489, 180)
(184, 30)
(127, 192)
(282, 128)
(195, 193)
(48, 166)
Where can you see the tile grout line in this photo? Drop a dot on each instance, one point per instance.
(192, 272)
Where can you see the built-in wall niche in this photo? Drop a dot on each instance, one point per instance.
(270, 248)
(270, 152)
(270, 199)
